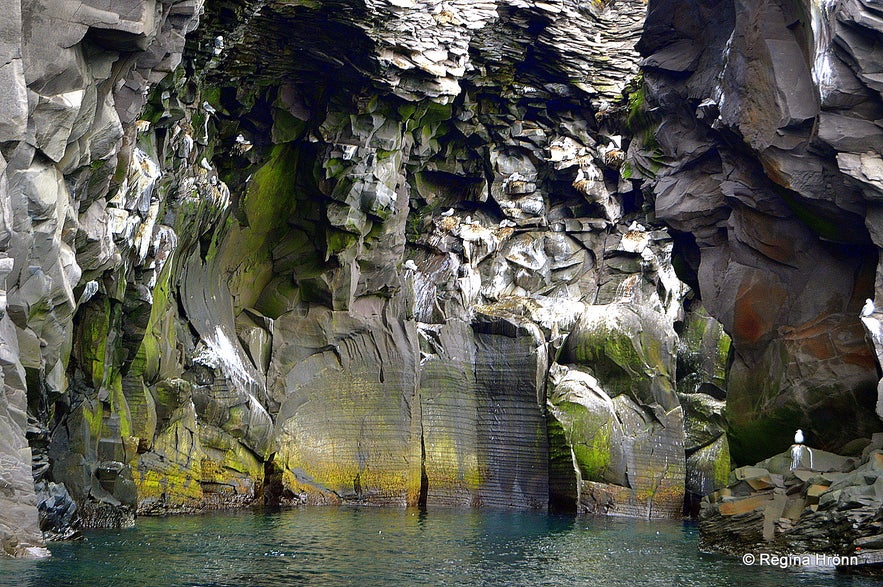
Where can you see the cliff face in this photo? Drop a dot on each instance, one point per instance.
(765, 125)
(74, 76)
(423, 203)
(393, 252)
(335, 256)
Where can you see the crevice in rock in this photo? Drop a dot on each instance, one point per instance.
(424, 477)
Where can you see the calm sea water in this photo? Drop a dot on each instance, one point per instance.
(371, 546)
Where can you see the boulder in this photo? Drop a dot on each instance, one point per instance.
(630, 349)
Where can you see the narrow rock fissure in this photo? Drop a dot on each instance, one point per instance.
(424, 478)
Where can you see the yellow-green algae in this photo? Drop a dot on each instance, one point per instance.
(380, 457)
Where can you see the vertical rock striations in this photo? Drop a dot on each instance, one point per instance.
(332, 255)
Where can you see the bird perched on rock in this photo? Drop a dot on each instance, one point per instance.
(242, 145)
(410, 264)
(798, 436)
(868, 308)
(448, 212)
(218, 45)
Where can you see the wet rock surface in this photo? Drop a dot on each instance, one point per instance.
(301, 269)
(74, 76)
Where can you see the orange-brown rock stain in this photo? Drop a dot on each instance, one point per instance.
(758, 305)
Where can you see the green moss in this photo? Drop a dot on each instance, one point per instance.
(827, 228)
(119, 406)
(174, 477)
(450, 466)
(338, 241)
(703, 352)
(270, 198)
(93, 414)
(643, 128)
(614, 359)
(636, 119)
(93, 341)
(407, 110)
(174, 485)
(429, 112)
(212, 95)
(593, 454)
(587, 434)
(756, 434)
(723, 357)
(335, 168)
(160, 327)
(217, 236)
(722, 466)
(243, 250)
(286, 126)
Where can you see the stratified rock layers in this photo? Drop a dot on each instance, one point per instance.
(403, 252)
(802, 501)
(330, 259)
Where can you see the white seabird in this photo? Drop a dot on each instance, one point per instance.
(798, 436)
(448, 212)
(410, 264)
(868, 308)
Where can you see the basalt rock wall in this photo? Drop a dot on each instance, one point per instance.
(74, 77)
(761, 135)
(383, 252)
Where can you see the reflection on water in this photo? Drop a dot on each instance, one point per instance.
(369, 546)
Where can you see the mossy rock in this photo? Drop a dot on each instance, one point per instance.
(286, 126)
(630, 350)
(279, 296)
(703, 352)
(708, 468)
(704, 419)
(92, 342)
(171, 472)
(590, 427)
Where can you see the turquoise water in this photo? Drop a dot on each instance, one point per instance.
(371, 546)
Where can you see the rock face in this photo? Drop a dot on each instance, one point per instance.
(330, 258)
(621, 418)
(421, 230)
(407, 252)
(74, 75)
(759, 135)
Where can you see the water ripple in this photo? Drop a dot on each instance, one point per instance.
(371, 546)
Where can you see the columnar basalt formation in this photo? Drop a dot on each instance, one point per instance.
(384, 251)
(74, 77)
